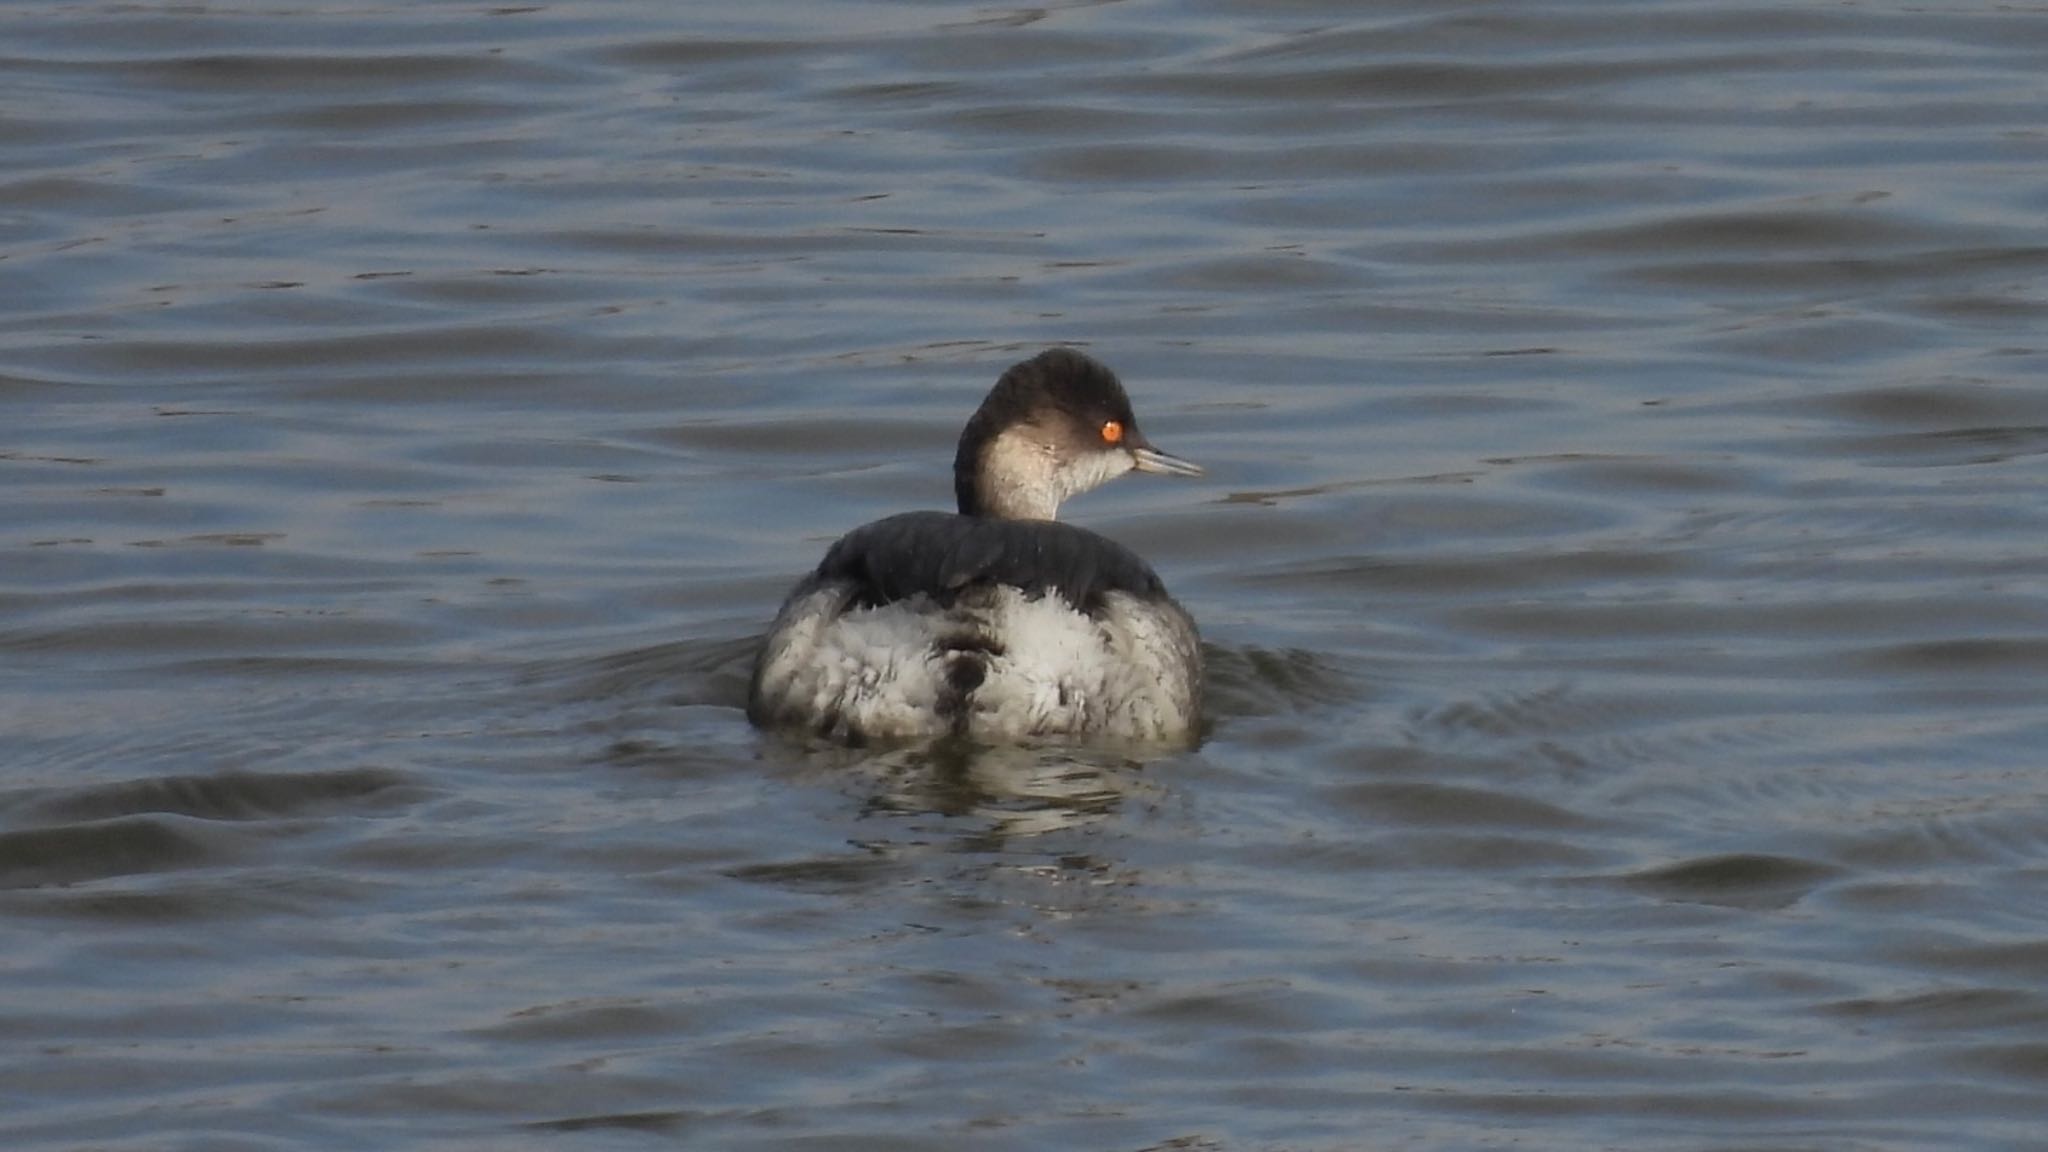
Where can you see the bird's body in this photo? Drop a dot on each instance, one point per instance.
(995, 623)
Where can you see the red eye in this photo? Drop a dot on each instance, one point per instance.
(1112, 432)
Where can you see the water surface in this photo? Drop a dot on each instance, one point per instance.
(1621, 559)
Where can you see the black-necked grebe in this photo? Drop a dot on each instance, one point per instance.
(997, 623)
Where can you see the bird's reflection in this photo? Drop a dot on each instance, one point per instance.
(993, 796)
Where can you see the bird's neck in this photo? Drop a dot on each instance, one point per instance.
(1013, 476)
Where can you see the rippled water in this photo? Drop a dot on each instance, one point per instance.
(1622, 559)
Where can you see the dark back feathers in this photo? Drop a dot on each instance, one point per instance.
(942, 555)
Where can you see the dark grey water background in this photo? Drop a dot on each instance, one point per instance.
(1624, 557)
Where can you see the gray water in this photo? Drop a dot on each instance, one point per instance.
(1623, 561)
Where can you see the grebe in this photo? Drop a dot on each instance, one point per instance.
(997, 623)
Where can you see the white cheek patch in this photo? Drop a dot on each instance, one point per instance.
(1093, 471)
(1024, 478)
